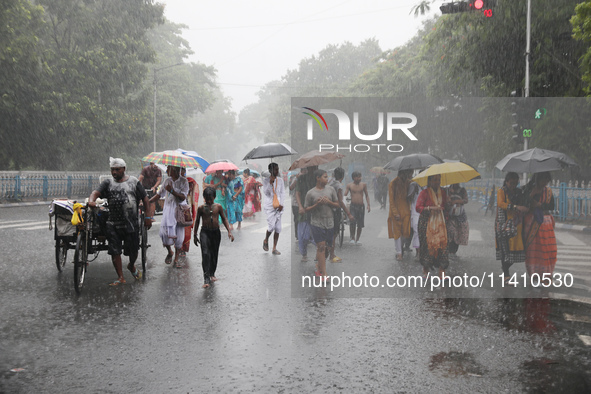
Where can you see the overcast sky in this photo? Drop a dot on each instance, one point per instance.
(251, 43)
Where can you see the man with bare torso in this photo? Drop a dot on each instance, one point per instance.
(357, 208)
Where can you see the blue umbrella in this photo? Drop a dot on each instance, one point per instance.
(204, 163)
(254, 173)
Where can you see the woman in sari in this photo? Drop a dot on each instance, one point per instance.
(252, 202)
(218, 182)
(233, 191)
(509, 208)
(174, 189)
(457, 223)
(432, 231)
(193, 201)
(538, 226)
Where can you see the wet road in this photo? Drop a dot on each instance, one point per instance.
(249, 333)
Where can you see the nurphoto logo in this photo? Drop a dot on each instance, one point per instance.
(394, 122)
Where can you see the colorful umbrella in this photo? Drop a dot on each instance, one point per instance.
(172, 158)
(221, 166)
(450, 173)
(204, 163)
(315, 158)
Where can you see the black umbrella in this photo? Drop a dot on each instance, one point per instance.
(270, 150)
(535, 160)
(412, 162)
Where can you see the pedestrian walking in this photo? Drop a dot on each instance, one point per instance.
(234, 188)
(175, 189)
(432, 231)
(458, 228)
(336, 184)
(218, 182)
(293, 181)
(123, 193)
(382, 190)
(413, 195)
(252, 195)
(320, 201)
(306, 181)
(539, 237)
(509, 224)
(399, 213)
(210, 236)
(358, 189)
(274, 191)
(150, 178)
(193, 201)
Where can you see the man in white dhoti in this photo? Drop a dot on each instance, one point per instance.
(274, 191)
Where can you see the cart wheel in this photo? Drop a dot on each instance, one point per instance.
(80, 261)
(61, 253)
(143, 241)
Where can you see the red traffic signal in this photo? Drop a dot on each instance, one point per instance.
(477, 4)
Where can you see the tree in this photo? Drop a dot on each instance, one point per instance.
(581, 23)
(21, 24)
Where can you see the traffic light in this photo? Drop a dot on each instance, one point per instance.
(484, 6)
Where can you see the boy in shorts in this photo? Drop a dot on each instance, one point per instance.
(320, 201)
(357, 209)
(210, 236)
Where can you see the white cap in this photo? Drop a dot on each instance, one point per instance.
(116, 162)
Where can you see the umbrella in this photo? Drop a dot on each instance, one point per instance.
(315, 158)
(378, 170)
(204, 163)
(172, 158)
(221, 166)
(190, 172)
(270, 150)
(254, 173)
(412, 162)
(450, 173)
(535, 160)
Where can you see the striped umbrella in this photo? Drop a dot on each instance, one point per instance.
(172, 158)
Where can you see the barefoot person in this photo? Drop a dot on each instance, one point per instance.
(338, 175)
(174, 191)
(399, 214)
(124, 193)
(357, 208)
(320, 202)
(274, 191)
(210, 236)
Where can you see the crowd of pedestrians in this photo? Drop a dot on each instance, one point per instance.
(431, 219)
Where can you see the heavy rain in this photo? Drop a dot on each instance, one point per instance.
(453, 146)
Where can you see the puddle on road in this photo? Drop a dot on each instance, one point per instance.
(452, 364)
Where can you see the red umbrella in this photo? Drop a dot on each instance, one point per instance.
(221, 166)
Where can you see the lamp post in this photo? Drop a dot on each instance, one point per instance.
(155, 88)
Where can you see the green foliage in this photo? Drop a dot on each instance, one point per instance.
(77, 81)
(581, 23)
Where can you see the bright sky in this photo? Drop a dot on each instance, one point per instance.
(251, 43)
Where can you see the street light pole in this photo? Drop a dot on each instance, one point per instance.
(155, 88)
